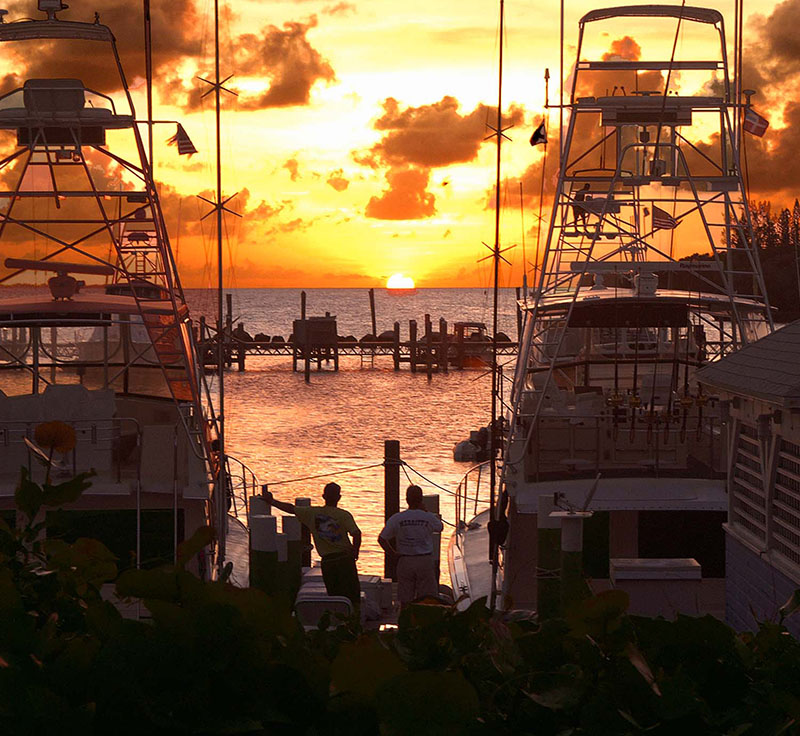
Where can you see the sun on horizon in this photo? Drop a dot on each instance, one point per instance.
(399, 281)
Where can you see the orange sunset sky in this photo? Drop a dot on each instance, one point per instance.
(356, 143)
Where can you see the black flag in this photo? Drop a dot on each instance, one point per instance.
(184, 143)
(539, 135)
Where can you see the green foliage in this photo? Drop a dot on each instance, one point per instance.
(214, 659)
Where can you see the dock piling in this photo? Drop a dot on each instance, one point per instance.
(412, 344)
(443, 347)
(372, 311)
(396, 346)
(391, 496)
(428, 347)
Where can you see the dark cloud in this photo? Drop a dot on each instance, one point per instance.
(431, 135)
(283, 56)
(406, 198)
(174, 29)
(287, 59)
(771, 66)
(337, 180)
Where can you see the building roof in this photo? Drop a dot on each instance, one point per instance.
(766, 369)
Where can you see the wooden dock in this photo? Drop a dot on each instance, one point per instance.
(432, 352)
(314, 341)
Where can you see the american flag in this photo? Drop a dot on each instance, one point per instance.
(185, 145)
(754, 123)
(663, 220)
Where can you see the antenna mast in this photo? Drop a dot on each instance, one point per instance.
(496, 261)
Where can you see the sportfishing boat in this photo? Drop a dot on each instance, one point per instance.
(605, 420)
(112, 354)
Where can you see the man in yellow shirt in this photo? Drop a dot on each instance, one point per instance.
(330, 527)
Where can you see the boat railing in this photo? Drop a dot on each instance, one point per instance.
(648, 441)
(243, 484)
(22, 98)
(468, 498)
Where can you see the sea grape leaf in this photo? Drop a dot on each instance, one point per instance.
(791, 606)
(28, 496)
(67, 492)
(599, 615)
(636, 658)
(426, 702)
(192, 546)
(363, 665)
(557, 698)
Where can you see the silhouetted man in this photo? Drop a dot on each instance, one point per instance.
(412, 531)
(330, 527)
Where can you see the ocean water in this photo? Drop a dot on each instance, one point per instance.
(285, 430)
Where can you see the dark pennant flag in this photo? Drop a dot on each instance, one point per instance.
(539, 135)
(185, 145)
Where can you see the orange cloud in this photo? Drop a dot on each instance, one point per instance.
(406, 198)
(338, 181)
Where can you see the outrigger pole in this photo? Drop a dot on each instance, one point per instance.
(493, 551)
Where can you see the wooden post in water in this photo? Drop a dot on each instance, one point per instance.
(391, 496)
(460, 346)
(241, 353)
(412, 344)
(229, 330)
(396, 346)
(302, 305)
(443, 347)
(428, 346)
(372, 311)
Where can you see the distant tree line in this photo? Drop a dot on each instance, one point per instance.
(777, 234)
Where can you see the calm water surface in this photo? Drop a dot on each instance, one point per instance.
(285, 429)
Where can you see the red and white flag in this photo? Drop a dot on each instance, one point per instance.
(663, 220)
(754, 123)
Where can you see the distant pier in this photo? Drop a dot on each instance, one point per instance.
(314, 341)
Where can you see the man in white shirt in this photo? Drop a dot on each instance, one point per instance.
(412, 533)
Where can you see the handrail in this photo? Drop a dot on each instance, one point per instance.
(462, 497)
(245, 479)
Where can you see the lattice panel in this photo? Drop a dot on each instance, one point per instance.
(749, 504)
(786, 503)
